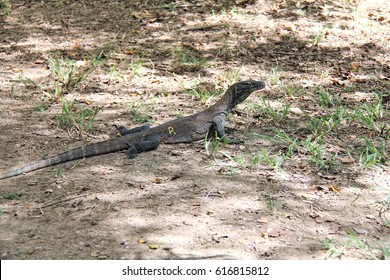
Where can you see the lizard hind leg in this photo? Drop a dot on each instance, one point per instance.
(150, 143)
(124, 131)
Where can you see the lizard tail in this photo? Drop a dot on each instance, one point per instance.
(31, 167)
(78, 153)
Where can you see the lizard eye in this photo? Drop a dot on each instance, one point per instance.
(246, 86)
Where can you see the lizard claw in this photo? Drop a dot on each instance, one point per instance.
(121, 129)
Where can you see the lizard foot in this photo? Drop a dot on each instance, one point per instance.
(132, 151)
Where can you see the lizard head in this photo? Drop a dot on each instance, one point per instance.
(243, 89)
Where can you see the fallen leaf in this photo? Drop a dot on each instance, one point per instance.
(262, 220)
(154, 246)
(39, 61)
(130, 52)
(355, 66)
(72, 53)
(80, 63)
(325, 176)
(48, 191)
(334, 188)
(221, 192)
(76, 45)
(31, 250)
(141, 241)
(313, 215)
(141, 14)
(239, 2)
(296, 110)
(360, 230)
(85, 101)
(134, 93)
(319, 220)
(217, 238)
(346, 160)
(94, 254)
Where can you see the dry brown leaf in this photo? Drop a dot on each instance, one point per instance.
(262, 220)
(239, 2)
(346, 160)
(76, 45)
(335, 189)
(355, 66)
(141, 241)
(130, 52)
(85, 101)
(39, 61)
(313, 215)
(141, 15)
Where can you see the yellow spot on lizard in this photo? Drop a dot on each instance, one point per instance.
(171, 130)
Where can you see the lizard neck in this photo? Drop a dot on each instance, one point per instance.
(225, 104)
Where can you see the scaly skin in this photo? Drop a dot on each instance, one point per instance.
(181, 130)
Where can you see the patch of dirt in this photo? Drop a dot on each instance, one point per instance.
(192, 206)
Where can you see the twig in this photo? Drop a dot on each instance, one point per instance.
(204, 27)
(61, 201)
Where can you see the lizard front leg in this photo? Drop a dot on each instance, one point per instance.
(219, 128)
(150, 143)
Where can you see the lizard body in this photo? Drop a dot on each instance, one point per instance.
(145, 138)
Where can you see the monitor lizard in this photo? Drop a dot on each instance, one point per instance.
(144, 138)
